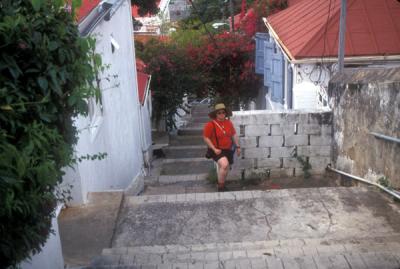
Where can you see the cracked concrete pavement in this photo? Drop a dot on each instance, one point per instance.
(331, 213)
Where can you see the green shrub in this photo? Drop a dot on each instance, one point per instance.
(46, 75)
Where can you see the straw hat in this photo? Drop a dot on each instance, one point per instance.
(220, 106)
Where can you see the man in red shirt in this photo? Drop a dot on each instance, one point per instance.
(220, 135)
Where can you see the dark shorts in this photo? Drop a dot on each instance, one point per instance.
(225, 153)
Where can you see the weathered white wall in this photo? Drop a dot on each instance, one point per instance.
(309, 90)
(367, 100)
(309, 82)
(51, 255)
(114, 131)
(145, 116)
(269, 139)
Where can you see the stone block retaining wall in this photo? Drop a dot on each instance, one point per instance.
(270, 142)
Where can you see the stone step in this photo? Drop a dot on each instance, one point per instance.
(197, 118)
(315, 253)
(180, 152)
(279, 248)
(200, 108)
(200, 115)
(195, 131)
(184, 140)
(186, 166)
(340, 261)
(211, 217)
(169, 179)
(191, 124)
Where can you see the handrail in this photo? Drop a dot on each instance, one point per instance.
(393, 139)
(395, 194)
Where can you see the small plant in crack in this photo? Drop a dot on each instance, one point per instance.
(305, 166)
(305, 163)
(384, 181)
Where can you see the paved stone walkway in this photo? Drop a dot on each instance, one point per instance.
(334, 213)
(355, 227)
(181, 222)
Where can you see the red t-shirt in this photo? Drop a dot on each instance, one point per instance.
(224, 133)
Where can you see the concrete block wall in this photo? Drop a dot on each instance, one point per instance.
(272, 141)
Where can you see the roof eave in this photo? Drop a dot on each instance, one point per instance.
(104, 10)
(276, 37)
(89, 23)
(349, 60)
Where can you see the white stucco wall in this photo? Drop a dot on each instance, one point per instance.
(309, 82)
(51, 255)
(145, 115)
(114, 131)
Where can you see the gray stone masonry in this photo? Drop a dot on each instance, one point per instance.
(272, 140)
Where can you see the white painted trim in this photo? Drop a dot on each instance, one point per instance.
(348, 59)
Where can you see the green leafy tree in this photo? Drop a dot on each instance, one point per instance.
(146, 6)
(214, 10)
(229, 65)
(173, 76)
(46, 75)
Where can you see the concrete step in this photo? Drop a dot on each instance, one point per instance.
(196, 118)
(199, 115)
(185, 219)
(180, 152)
(278, 248)
(184, 140)
(305, 253)
(191, 124)
(200, 108)
(186, 166)
(169, 179)
(180, 187)
(195, 131)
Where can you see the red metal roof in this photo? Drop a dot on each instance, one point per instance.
(86, 7)
(142, 80)
(238, 18)
(309, 29)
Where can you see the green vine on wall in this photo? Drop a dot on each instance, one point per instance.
(305, 166)
(47, 74)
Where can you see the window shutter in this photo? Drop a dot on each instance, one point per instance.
(277, 75)
(268, 52)
(260, 39)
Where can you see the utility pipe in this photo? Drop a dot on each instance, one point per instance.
(342, 32)
(393, 139)
(395, 194)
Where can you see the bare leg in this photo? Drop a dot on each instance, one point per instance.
(223, 166)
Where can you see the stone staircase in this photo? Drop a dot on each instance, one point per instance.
(313, 228)
(184, 157)
(382, 252)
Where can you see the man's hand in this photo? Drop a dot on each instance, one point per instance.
(238, 151)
